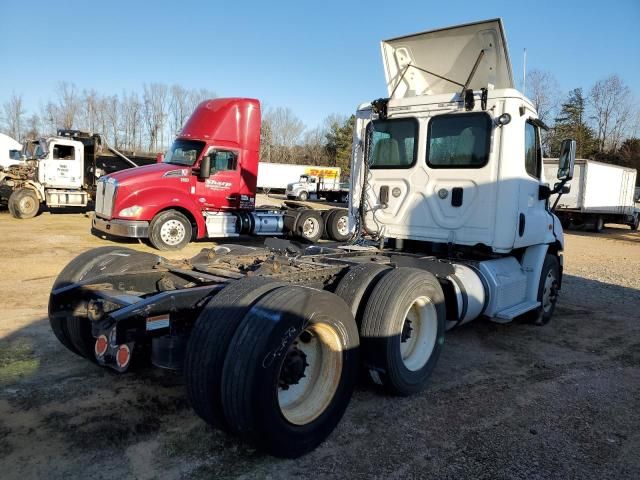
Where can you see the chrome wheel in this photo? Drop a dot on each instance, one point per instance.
(419, 334)
(343, 225)
(310, 374)
(172, 232)
(310, 227)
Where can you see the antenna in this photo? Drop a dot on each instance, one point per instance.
(524, 73)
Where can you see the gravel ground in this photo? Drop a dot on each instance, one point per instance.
(505, 401)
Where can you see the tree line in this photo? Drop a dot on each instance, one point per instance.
(149, 120)
(604, 120)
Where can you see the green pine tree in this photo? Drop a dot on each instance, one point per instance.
(571, 123)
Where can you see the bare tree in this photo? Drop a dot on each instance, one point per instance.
(130, 117)
(179, 107)
(68, 104)
(89, 110)
(155, 105)
(14, 116)
(612, 114)
(111, 112)
(285, 132)
(34, 127)
(544, 92)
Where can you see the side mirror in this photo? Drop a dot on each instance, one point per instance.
(567, 159)
(205, 167)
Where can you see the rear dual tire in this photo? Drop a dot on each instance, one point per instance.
(290, 373)
(402, 330)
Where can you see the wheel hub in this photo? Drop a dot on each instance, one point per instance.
(293, 368)
(406, 331)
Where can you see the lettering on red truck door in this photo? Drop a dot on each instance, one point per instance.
(220, 190)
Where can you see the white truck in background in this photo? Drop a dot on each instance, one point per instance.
(61, 171)
(319, 186)
(10, 152)
(276, 177)
(600, 193)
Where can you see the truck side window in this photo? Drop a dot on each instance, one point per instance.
(391, 143)
(532, 153)
(459, 140)
(224, 160)
(63, 152)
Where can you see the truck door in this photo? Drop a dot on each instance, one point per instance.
(533, 217)
(63, 167)
(221, 189)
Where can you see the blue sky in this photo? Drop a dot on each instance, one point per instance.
(317, 58)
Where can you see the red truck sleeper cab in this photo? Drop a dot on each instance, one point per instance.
(156, 199)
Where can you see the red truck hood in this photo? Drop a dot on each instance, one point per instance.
(149, 172)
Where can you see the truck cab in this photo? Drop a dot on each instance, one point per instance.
(451, 162)
(306, 186)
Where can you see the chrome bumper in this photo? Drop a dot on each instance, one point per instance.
(122, 228)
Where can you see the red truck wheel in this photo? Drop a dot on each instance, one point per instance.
(170, 230)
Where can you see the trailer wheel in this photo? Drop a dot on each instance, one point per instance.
(309, 226)
(598, 224)
(209, 343)
(70, 326)
(356, 286)
(547, 291)
(24, 203)
(170, 230)
(291, 370)
(403, 329)
(337, 225)
(635, 224)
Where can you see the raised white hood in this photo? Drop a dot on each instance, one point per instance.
(451, 53)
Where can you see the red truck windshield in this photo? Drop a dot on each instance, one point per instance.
(184, 152)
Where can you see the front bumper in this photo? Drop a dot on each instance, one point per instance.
(122, 228)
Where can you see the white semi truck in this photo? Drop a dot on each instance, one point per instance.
(450, 219)
(600, 193)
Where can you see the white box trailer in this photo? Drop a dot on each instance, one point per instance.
(600, 193)
(276, 177)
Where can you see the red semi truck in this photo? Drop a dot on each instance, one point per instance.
(206, 187)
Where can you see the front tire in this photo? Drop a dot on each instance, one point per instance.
(303, 196)
(170, 230)
(290, 371)
(547, 291)
(24, 203)
(402, 330)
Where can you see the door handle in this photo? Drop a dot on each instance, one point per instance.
(456, 196)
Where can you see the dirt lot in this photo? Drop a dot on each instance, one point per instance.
(506, 401)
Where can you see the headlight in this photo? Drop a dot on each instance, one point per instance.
(130, 211)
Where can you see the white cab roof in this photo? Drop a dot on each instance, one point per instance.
(450, 53)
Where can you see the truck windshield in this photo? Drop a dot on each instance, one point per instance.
(184, 152)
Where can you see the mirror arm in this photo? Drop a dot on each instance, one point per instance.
(558, 190)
